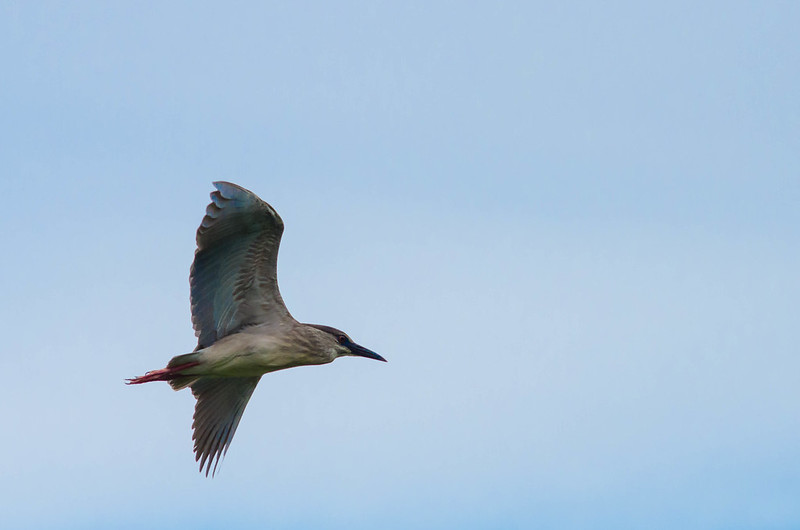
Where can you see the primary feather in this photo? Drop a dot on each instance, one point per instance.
(220, 405)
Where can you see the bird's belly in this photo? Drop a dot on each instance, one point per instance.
(243, 355)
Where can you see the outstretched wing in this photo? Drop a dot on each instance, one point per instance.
(234, 279)
(220, 404)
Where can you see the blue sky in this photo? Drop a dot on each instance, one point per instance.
(571, 228)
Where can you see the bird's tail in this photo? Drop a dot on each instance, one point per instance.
(172, 373)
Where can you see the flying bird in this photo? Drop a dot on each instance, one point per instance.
(242, 326)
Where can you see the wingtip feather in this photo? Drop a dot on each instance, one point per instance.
(220, 405)
(229, 190)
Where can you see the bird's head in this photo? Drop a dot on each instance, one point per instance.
(343, 345)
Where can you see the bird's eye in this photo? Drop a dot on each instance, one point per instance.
(342, 339)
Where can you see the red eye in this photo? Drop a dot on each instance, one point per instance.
(342, 339)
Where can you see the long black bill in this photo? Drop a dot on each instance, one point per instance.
(361, 351)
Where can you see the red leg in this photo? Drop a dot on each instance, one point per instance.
(164, 374)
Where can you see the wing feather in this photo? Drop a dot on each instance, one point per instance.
(220, 404)
(233, 277)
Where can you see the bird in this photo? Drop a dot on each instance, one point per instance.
(242, 326)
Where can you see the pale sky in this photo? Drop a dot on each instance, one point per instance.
(571, 228)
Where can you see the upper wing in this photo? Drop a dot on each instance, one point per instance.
(220, 404)
(234, 275)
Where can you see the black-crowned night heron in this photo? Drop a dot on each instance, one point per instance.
(242, 325)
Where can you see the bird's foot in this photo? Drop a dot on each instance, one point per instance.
(164, 374)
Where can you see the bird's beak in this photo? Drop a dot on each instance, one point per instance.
(361, 351)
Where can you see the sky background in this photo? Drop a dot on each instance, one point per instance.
(571, 228)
